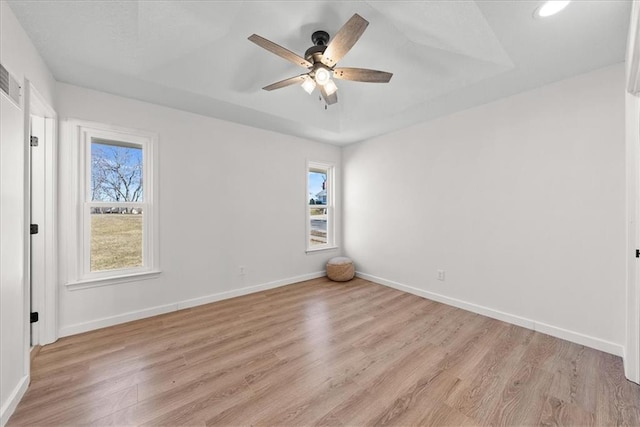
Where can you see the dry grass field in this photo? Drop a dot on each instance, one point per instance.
(116, 241)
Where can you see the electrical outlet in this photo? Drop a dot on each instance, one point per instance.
(241, 270)
(441, 275)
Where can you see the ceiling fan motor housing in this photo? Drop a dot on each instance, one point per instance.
(314, 54)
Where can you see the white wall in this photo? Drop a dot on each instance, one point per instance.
(521, 202)
(20, 58)
(229, 195)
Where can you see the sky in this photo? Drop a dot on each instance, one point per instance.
(315, 183)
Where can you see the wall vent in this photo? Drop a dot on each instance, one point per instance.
(9, 85)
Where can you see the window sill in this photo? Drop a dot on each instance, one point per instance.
(112, 280)
(325, 248)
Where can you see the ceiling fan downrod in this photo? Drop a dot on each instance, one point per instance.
(320, 38)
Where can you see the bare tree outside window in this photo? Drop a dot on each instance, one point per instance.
(116, 173)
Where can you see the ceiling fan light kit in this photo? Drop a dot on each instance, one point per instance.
(321, 60)
(330, 87)
(308, 85)
(322, 75)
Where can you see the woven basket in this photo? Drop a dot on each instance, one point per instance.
(340, 269)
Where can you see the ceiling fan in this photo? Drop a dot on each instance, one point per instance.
(321, 59)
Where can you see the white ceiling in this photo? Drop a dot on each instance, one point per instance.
(445, 55)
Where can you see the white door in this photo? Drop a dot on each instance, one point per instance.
(42, 269)
(37, 213)
(632, 345)
(636, 221)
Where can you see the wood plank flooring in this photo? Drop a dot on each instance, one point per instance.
(325, 353)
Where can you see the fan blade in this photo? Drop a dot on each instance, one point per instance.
(362, 75)
(286, 82)
(280, 51)
(344, 40)
(329, 99)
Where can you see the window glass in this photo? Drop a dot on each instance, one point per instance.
(116, 231)
(116, 238)
(116, 173)
(319, 206)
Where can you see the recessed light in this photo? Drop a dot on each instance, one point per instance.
(551, 7)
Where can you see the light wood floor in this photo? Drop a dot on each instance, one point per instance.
(325, 353)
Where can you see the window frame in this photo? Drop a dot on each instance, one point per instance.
(329, 169)
(111, 135)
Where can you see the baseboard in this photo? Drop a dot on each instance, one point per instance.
(630, 369)
(575, 337)
(33, 352)
(104, 322)
(180, 305)
(12, 402)
(248, 290)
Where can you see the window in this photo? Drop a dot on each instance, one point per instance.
(117, 226)
(320, 233)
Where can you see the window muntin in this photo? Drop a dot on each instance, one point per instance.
(319, 206)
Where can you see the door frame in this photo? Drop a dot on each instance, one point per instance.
(46, 293)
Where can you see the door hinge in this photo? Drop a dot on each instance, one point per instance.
(34, 228)
(34, 317)
(637, 253)
(34, 141)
